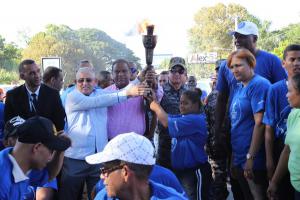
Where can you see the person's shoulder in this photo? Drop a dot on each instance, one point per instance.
(16, 90)
(257, 80)
(163, 192)
(278, 85)
(266, 54)
(5, 166)
(102, 195)
(48, 89)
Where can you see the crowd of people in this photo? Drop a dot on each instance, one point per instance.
(132, 134)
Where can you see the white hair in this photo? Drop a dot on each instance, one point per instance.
(86, 70)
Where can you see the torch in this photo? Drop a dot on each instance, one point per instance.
(149, 42)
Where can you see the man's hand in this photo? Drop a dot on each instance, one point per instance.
(271, 191)
(138, 90)
(248, 170)
(150, 78)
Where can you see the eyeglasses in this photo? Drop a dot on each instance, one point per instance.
(104, 171)
(81, 80)
(174, 71)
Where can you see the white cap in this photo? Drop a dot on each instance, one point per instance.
(246, 28)
(129, 147)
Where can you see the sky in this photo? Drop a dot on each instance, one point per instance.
(172, 18)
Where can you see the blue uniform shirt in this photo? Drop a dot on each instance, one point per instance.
(189, 135)
(246, 102)
(1, 125)
(277, 108)
(158, 191)
(9, 189)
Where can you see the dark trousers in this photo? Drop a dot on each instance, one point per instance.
(254, 189)
(196, 182)
(285, 189)
(297, 195)
(73, 176)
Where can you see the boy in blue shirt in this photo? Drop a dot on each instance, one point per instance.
(275, 118)
(33, 150)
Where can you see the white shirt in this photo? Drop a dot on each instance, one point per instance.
(29, 95)
(87, 121)
(17, 172)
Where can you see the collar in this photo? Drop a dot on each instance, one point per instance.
(36, 92)
(17, 172)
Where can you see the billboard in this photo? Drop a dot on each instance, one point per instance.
(51, 61)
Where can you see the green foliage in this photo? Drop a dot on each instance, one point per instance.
(212, 25)
(7, 77)
(75, 45)
(9, 55)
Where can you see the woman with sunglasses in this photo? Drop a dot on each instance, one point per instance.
(290, 156)
(247, 131)
(188, 132)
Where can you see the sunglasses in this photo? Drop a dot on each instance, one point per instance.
(105, 171)
(174, 71)
(81, 80)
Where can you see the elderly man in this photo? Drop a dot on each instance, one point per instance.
(33, 150)
(87, 120)
(127, 161)
(170, 103)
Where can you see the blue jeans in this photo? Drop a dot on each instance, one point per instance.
(196, 182)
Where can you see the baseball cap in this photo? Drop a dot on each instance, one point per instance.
(10, 128)
(128, 147)
(40, 129)
(246, 28)
(177, 61)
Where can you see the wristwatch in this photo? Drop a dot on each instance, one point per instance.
(249, 156)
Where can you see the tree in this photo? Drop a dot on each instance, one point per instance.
(9, 55)
(75, 45)
(212, 25)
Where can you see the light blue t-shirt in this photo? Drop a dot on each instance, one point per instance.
(277, 108)
(189, 135)
(158, 192)
(246, 102)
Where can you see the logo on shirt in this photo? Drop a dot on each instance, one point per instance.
(235, 113)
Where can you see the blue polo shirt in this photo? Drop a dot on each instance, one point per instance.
(277, 108)
(158, 192)
(267, 65)
(25, 189)
(189, 135)
(160, 175)
(9, 189)
(1, 125)
(246, 102)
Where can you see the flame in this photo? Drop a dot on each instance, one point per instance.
(142, 26)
